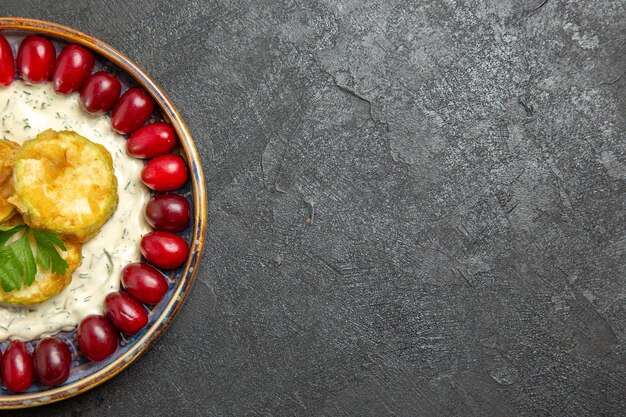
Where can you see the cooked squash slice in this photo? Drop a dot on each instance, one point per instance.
(8, 153)
(46, 284)
(65, 183)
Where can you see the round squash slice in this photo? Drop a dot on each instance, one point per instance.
(46, 284)
(8, 153)
(65, 183)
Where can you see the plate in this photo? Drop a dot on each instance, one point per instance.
(85, 374)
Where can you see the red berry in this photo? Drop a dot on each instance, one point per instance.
(151, 140)
(52, 360)
(17, 367)
(100, 92)
(168, 212)
(35, 59)
(72, 68)
(125, 312)
(131, 111)
(144, 283)
(7, 63)
(165, 173)
(97, 339)
(164, 250)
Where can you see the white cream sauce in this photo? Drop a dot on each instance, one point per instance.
(27, 110)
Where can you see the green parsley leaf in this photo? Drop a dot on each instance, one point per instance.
(18, 264)
(7, 232)
(46, 243)
(9, 270)
(23, 252)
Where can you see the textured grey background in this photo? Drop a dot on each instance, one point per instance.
(416, 208)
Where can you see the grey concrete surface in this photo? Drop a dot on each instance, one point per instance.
(416, 207)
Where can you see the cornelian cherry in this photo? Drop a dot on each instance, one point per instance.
(97, 339)
(7, 63)
(35, 59)
(16, 367)
(164, 250)
(131, 111)
(144, 283)
(168, 212)
(151, 140)
(126, 314)
(100, 92)
(52, 361)
(165, 173)
(72, 68)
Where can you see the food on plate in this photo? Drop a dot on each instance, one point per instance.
(165, 173)
(8, 154)
(100, 93)
(44, 283)
(72, 68)
(131, 111)
(165, 250)
(97, 338)
(125, 313)
(66, 183)
(144, 283)
(16, 367)
(71, 202)
(31, 109)
(52, 361)
(168, 212)
(7, 63)
(152, 140)
(35, 59)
